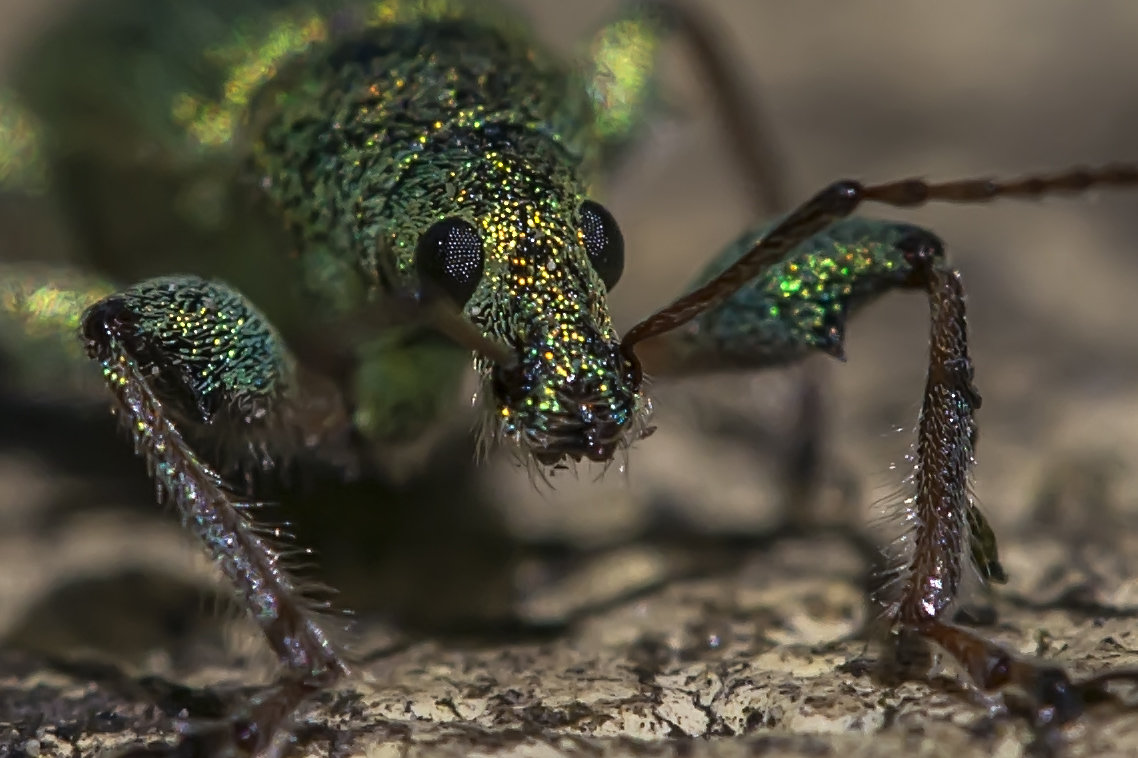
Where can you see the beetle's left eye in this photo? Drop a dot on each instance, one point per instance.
(449, 258)
(603, 242)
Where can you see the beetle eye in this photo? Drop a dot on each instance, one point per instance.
(604, 243)
(449, 259)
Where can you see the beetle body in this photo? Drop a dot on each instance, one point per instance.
(449, 159)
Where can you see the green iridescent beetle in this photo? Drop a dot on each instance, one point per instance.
(409, 169)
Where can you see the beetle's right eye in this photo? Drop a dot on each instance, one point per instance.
(449, 259)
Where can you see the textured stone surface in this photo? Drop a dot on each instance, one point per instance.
(763, 658)
(647, 614)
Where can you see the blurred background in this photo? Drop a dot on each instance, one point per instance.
(867, 90)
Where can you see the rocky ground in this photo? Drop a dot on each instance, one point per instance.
(656, 613)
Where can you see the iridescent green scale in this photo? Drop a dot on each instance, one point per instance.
(203, 339)
(802, 302)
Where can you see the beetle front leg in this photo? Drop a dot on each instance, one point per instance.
(946, 534)
(800, 305)
(187, 360)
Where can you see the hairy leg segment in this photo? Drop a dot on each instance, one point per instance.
(183, 357)
(785, 290)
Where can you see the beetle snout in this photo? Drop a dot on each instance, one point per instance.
(567, 397)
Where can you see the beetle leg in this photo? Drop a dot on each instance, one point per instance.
(786, 291)
(801, 305)
(186, 360)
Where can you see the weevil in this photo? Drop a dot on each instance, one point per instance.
(410, 168)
